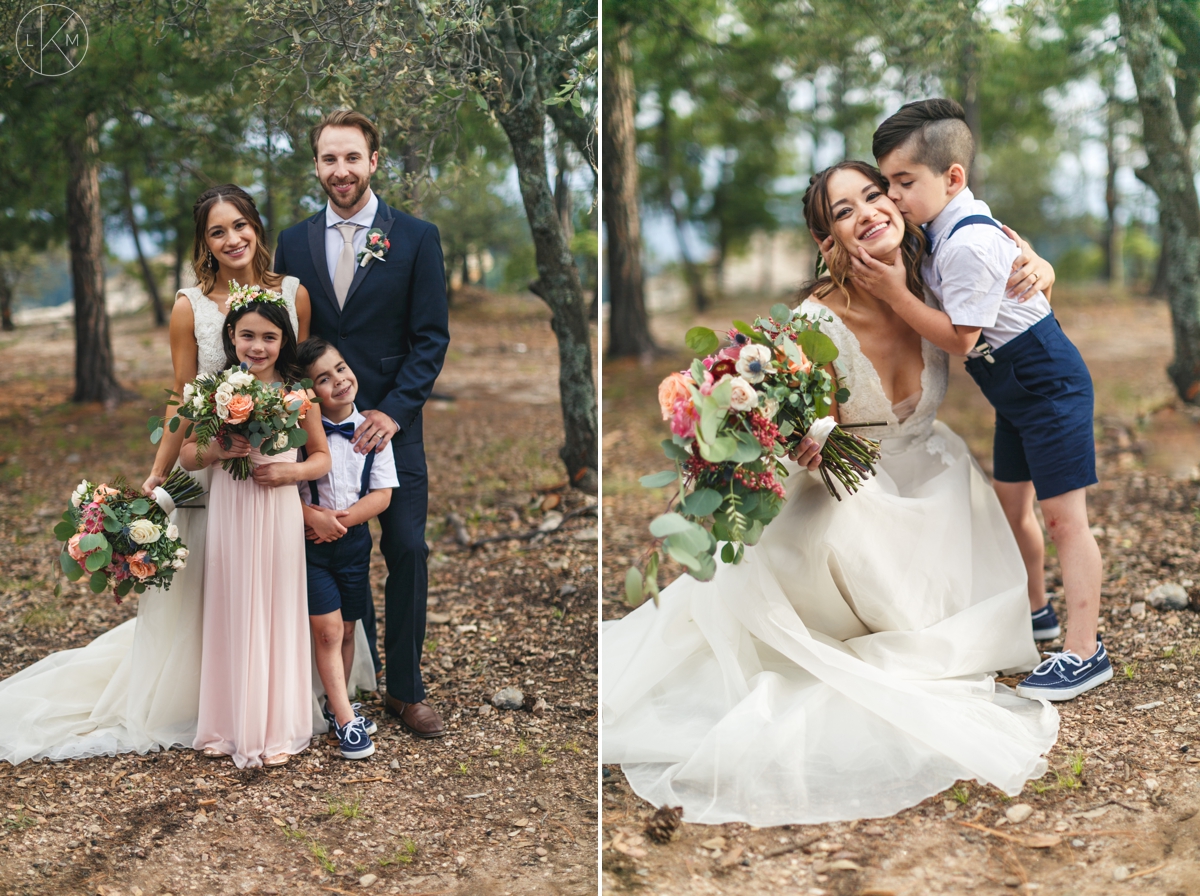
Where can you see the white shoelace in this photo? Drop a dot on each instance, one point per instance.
(1056, 660)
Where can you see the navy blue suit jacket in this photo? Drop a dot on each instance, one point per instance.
(394, 328)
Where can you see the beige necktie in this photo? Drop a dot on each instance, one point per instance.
(343, 275)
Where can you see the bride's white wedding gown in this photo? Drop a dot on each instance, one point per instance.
(845, 669)
(137, 687)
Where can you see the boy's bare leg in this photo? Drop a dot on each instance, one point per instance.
(348, 648)
(1017, 500)
(1082, 568)
(327, 630)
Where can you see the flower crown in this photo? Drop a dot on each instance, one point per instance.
(240, 296)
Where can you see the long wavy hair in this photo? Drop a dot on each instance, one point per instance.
(819, 217)
(204, 263)
(287, 365)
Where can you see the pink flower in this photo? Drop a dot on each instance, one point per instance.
(730, 353)
(77, 553)
(118, 569)
(684, 419)
(673, 389)
(93, 518)
(709, 362)
(706, 387)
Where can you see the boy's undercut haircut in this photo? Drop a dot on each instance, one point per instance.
(310, 351)
(934, 133)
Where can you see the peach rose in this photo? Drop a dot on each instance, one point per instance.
(298, 395)
(673, 389)
(240, 407)
(103, 493)
(140, 567)
(74, 550)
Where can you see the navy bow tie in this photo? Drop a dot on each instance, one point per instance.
(342, 429)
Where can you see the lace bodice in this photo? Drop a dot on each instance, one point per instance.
(210, 318)
(868, 402)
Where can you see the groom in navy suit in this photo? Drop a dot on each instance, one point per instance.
(389, 319)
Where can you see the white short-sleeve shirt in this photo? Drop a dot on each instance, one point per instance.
(338, 489)
(967, 274)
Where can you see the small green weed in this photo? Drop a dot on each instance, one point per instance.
(403, 856)
(571, 747)
(521, 748)
(19, 821)
(1130, 671)
(961, 794)
(1168, 652)
(346, 809)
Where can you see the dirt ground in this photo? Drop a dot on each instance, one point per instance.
(1118, 809)
(505, 804)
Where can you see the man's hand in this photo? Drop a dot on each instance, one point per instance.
(374, 433)
(806, 454)
(1030, 272)
(323, 525)
(273, 475)
(887, 282)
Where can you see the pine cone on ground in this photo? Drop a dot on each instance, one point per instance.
(664, 823)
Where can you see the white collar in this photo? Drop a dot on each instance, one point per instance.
(355, 417)
(955, 209)
(364, 218)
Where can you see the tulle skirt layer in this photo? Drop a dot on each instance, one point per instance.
(845, 669)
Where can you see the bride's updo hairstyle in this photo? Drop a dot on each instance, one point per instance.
(819, 217)
(205, 264)
(287, 365)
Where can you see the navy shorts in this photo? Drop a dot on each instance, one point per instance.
(339, 574)
(1042, 393)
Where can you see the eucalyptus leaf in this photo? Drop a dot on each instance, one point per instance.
(668, 524)
(754, 533)
(674, 451)
(63, 531)
(72, 569)
(818, 347)
(722, 394)
(681, 556)
(633, 587)
(693, 541)
(659, 480)
(727, 552)
(124, 588)
(96, 561)
(719, 450)
(781, 313)
(701, 502)
(98, 582)
(92, 542)
(255, 439)
(702, 340)
(156, 435)
(139, 507)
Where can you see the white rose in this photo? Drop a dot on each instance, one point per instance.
(743, 397)
(754, 362)
(82, 488)
(179, 564)
(222, 399)
(76, 499)
(770, 408)
(198, 402)
(188, 391)
(172, 531)
(182, 553)
(226, 388)
(222, 411)
(240, 378)
(144, 532)
(281, 440)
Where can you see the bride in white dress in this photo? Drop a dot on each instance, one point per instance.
(846, 667)
(136, 687)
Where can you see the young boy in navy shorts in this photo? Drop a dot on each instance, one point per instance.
(338, 544)
(1033, 376)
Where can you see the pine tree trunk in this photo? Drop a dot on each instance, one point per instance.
(1114, 271)
(94, 376)
(523, 119)
(6, 301)
(628, 326)
(1169, 172)
(562, 191)
(147, 274)
(666, 157)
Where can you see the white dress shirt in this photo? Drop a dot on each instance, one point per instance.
(338, 489)
(967, 275)
(333, 237)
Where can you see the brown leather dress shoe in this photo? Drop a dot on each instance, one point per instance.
(418, 719)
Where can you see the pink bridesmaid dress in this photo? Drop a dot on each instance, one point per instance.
(256, 668)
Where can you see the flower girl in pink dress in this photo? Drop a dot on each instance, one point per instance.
(256, 665)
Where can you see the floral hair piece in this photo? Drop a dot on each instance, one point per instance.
(240, 296)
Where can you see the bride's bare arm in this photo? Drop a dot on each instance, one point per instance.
(183, 360)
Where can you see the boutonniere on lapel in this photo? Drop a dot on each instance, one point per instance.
(377, 247)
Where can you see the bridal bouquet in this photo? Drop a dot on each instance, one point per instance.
(123, 540)
(734, 415)
(234, 402)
